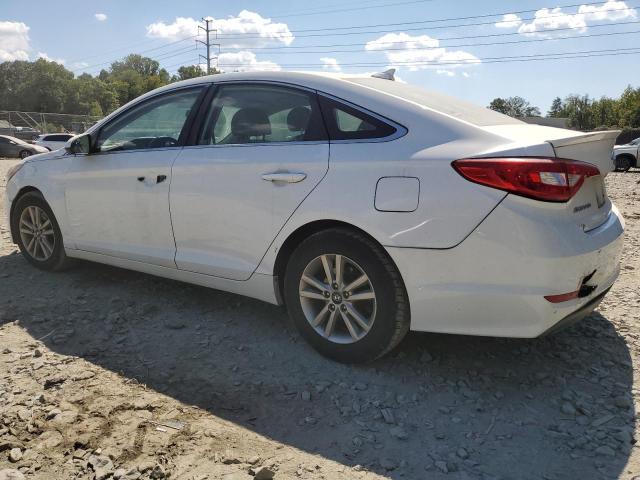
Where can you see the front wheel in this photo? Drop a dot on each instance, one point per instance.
(24, 154)
(38, 234)
(346, 297)
(623, 163)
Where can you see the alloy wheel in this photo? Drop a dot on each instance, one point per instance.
(337, 298)
(36, 233)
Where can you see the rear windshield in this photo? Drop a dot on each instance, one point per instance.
(439, 102)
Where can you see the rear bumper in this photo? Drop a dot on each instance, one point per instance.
(494, 283)
(576, 316)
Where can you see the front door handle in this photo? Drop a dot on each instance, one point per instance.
(286, 177)
(161, 178)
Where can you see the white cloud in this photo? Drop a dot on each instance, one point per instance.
(14, 41)
(329, 63)
(546, 19)
(448, 73)
(417, 52)
(244, 61)
(101, 17)
(248, 29)
(49, 59)
(509, 20)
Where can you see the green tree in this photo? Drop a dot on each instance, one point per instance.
(188, 71)
(514, 107)
(629, 108)
(557, 108)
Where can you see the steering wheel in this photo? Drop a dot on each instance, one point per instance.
(160, 142)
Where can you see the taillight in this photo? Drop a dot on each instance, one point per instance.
(546, 179)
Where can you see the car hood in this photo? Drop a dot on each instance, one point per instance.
(46, 155)
(38, 148)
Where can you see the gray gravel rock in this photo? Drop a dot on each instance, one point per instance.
(11, 474)
(15, 455)
(262, 473)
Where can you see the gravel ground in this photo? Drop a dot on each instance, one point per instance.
(106, 373)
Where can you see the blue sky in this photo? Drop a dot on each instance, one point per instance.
(443, 55)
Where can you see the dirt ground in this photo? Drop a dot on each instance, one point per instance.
(106, 373)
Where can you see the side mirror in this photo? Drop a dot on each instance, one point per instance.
(79, 145)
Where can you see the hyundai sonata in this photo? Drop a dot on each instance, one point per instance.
(368, 207)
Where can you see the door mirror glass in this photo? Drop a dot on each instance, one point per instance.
(79, 145)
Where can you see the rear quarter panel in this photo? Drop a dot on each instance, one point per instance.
(449, 207)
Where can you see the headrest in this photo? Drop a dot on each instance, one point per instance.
(250, 122)
(298, 119)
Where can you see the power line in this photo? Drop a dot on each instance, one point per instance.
(108, 62)
(475, 44)
(129, 48)
(366, 32)
(351, 9)
(476, 61)
(448, 19)
(163, 56)
(465, 37)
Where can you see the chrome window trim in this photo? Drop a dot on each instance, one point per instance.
(258, 144)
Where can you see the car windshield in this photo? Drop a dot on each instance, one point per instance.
(439, 102)
(15, 140)
(635, 142)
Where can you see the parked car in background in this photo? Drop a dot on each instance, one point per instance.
(14, 147)
(368, 207)
(626, 156)
(23, 133)
(53, 141)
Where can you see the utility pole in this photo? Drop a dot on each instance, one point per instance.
(208, 43)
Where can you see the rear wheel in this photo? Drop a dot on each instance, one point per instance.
(38, 234)
(623, 163)
(346, 297)
(24, 153)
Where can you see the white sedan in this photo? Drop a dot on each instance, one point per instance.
(53, 141)
(367, 207)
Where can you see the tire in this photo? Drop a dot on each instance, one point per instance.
(24, 154)
(386, 315)
(623, 163)
(53, 260)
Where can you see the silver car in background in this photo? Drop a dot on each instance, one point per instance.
(14, 147)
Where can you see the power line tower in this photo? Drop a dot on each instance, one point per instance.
(208, 43)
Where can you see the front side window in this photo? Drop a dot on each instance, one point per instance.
(156, 123)
(348, 123)
(255, 113)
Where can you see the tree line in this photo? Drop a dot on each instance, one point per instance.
(46, 86)
(581, 111)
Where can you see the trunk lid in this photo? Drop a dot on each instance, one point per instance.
(589, 207)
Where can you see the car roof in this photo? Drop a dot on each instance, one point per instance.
(363, 89)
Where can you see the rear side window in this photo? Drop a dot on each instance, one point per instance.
(348, 123)
(57, 138)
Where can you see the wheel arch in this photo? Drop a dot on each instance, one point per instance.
(303, 232)
(20, 193)
(630, 156)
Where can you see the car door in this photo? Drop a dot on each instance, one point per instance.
(5, 148)
(118, 197)
(261, 150)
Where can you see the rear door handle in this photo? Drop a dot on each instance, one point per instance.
(286, 177)
(161, 178)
